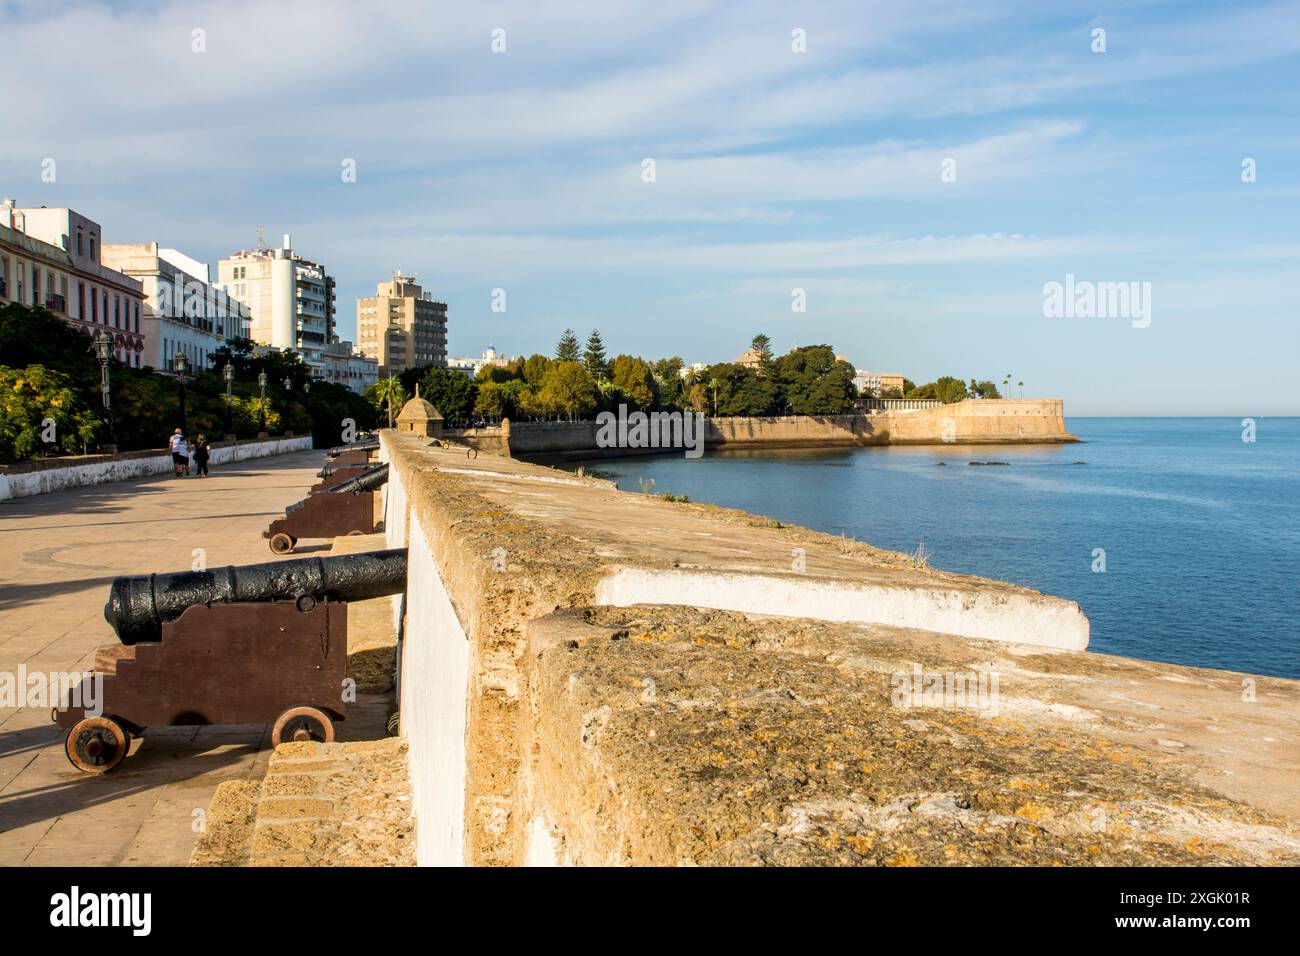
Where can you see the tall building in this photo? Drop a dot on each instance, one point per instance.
(290, 299)
(184, 312)
(52, 258)
(402, 326)
(471, 366)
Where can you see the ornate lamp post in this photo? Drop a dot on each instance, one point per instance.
(104, 351)
(228, 373)
(181, 366)
(261, 388)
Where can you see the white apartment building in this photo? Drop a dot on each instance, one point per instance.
(290, 299)
(184, 312)
(52, 258)
(471, 366)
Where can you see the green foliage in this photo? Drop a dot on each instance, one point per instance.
(634, 381)
(814, 382)
(567, 389)
(387, 397)
(490, 401)
(593, 357)
(567, 349)
(451, 392)
(41, 414)
(737, 390)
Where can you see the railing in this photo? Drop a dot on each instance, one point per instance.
(56, 303)
(898, 404)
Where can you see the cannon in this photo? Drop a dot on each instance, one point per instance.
(259, 644)
(355, 454)
(343, 507)
(368, 480)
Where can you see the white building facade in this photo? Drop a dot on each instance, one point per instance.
(184, 312)
(52, 258)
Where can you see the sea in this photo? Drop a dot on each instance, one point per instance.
(1179, 537)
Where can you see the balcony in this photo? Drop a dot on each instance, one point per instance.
(56, 303)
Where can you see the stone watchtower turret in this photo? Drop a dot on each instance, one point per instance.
(419, 417)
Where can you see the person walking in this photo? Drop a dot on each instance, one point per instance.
(180, 460)
(202, 450)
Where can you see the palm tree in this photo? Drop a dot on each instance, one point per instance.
(713, 384)
(388, 392)
(1022, 389)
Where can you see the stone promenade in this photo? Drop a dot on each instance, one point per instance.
(58, 554)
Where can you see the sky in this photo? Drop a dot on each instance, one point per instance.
(915, 175)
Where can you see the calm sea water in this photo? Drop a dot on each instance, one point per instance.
(1201, 531)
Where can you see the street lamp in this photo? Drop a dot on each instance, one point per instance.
(181, 366)
(228, 373)
(288, 383)
(261, 388)
(104, 350)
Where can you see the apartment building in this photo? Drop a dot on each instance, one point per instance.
(52, 258)
(183, 311)
(878, 383)
(402, 326)
(290, 299)
(346, 366)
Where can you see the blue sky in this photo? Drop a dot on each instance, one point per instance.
(774, 170)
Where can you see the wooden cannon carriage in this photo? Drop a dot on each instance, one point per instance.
(346, 507)
(261, 644)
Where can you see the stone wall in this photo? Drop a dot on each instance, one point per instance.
(55, 474)
(985, 421)
(596, 676)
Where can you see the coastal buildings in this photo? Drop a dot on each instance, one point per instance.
(183, 311)
(752, 358)
(471, 366)
(402, 326)
(878, 384)
(290, 299)
(52, 258)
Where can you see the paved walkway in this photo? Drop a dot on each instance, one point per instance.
(58, 554)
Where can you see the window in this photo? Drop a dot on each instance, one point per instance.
(94, 305)
(81, 301)
(79, 250)
(92, 248)
(36, 285)
(4, 275)
(105, 303)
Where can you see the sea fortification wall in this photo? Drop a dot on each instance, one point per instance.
(996, 421)
(595, 676)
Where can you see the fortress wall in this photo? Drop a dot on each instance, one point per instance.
(998, 421)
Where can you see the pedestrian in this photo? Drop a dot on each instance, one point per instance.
(180, 461)
(189, 455)
(201, 452)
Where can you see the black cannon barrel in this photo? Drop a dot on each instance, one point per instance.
(359, 446)
(138, 606)
(368, 480)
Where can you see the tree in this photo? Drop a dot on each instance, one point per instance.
(568, 350)
(489, 403)
(594, 357)
(535, 367)
(948, 389)
(567, 389)
(668, 382)
(985, 389)
(763, 346)
(634, 380)
(814, 382)
(450, 391)
(41, 414)
(387, 394)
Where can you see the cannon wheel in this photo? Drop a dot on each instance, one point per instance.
(302, 723)
(282, 543)
(97, 744)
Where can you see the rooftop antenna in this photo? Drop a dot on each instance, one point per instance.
(261, 237)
